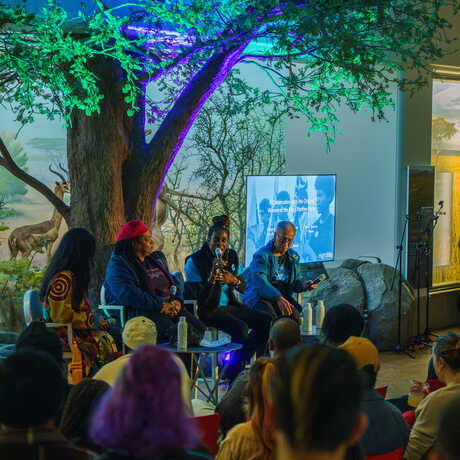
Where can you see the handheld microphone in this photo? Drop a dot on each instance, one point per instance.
(441, 204)
(218, 253)
(173, 290)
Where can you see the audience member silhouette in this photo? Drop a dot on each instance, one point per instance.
(31, 392)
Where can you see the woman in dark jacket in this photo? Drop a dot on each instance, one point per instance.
(141, 282)
(213, 274)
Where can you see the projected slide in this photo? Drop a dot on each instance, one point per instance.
(306, 201)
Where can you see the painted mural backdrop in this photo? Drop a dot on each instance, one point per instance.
(226, 143)
(445, 156)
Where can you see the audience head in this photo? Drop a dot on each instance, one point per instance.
(75, 253)
(139, 331)
(78, 408)
(446, 355)
(260, 403)
(341, 322)
(284, 334)
(219, 234)
(366, 357)
(317, 393)
(32, 389)
(447, 446)
(37, 336)
(144, 413)
(134, 241)
(284, 237)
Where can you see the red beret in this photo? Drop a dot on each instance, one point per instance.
(132, 229)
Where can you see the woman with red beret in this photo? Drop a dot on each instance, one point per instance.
(141, 282)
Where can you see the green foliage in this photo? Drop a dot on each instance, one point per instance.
(9, 184)
(319, 54)
(19, 275)
(16, 277)
(4, 214)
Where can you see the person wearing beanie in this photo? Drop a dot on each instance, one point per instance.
(141, 331)
(137, 331)
(31, 393)
(64, 295)
(140, 280)
(384, 417)
(39, 337)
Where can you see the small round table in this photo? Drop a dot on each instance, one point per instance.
(199, 356)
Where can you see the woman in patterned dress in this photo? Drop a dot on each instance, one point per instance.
(63, 293)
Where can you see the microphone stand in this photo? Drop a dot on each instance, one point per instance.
(398, 266)
(430, 226)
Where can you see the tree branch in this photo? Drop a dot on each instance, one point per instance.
(188, 195)
(8, 163)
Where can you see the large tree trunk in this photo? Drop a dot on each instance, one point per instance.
(114, 175)
(97, 148)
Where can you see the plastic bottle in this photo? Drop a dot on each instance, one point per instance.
(182, 334)
(307, 315)
(321, 309)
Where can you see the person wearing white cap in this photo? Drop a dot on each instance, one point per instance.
(140, 331)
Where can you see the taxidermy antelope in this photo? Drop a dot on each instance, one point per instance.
(28, 238)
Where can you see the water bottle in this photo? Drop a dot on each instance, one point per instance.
(182, 334)
(307, 314)
(321, 313)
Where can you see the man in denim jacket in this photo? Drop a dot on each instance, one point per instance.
(274, 276)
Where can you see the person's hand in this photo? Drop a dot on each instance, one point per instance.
(228, 278)
(169, 309)
(216, 273)
(285, 306)
(420, 387)
(103, 324)
(177, 305)
(308, 285)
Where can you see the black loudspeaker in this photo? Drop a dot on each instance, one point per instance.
(420, 209)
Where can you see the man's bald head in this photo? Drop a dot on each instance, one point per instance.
(283, 238)
(285, 225)
(284, 334)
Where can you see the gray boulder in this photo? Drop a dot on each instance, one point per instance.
(342, 286)
(353, 264)
(382, 303)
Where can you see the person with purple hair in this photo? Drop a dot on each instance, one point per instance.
(144, 415)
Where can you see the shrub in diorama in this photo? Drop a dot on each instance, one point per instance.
(16, 278)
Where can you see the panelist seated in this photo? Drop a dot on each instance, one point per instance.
(274, 276)
(213, 281)
(140, 280)
(64, 293)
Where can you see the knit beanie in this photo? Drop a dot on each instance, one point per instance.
(39, 337)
